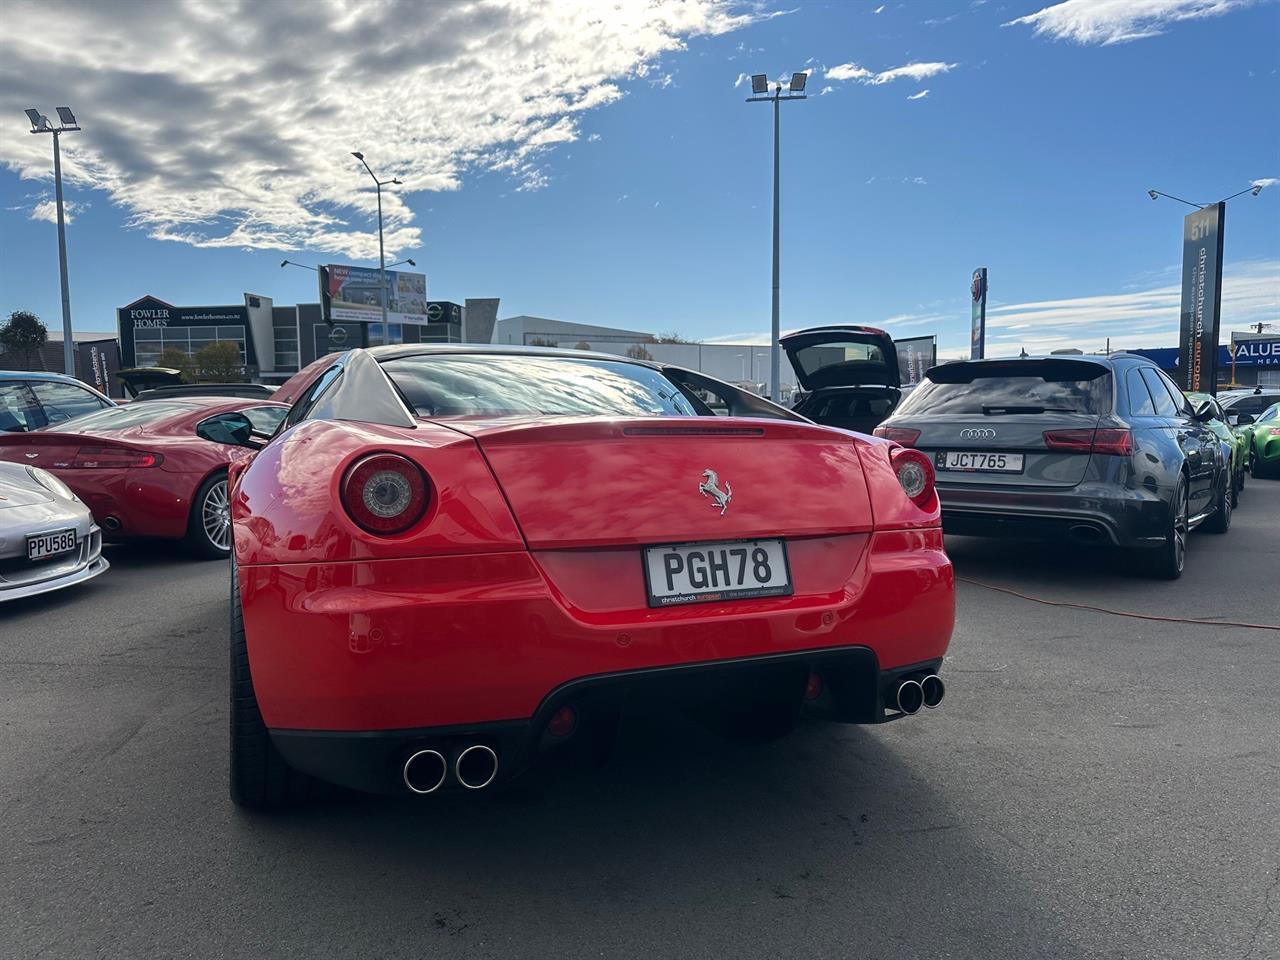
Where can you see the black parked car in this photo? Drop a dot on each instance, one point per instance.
(849, 375)
(1102, 450)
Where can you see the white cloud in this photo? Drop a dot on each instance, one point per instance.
(47, 210)
(848, 71)
(230, 125)
(1265, 182)
(919, 96)
(742, 78)
(1118, 21)
(826, 90)
(879, 9)
(1132, 319)
(910, 71)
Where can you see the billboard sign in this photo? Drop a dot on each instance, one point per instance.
(1258, 352)
(978, 314)
(99, 363)
(915, 356)
(1201, 299)
(354, 293)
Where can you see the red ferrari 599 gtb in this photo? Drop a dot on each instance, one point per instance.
(452, 558)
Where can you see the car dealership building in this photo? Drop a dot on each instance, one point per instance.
(277, 341)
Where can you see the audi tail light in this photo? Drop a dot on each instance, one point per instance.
(914, 471)
(1105, 440)
(112, 458)
(385, 493)
(903, 435)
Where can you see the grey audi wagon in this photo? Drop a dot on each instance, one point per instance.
(1096, 450)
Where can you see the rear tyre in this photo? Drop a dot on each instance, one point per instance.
(1168, 560)
(209, 526)
(260, 779)
(1220, 522)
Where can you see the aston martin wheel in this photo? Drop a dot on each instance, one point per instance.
(209, 528)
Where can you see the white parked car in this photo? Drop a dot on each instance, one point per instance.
(48, 539)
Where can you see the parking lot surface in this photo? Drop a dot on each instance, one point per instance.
(1093, 786)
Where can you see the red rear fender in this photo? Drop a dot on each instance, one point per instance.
(287, 509)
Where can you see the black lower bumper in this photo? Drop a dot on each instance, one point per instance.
(853, 689)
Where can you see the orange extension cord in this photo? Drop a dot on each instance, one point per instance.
(1120, 613)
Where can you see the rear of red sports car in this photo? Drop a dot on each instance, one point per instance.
(449, 562)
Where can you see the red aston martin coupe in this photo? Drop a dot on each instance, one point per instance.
(452, 558)
(145, 470)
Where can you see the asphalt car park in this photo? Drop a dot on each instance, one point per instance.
(1095, 785)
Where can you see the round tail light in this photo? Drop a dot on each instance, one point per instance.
(385, 493)
(915, 473)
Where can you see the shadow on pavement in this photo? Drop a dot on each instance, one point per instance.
(681, 830)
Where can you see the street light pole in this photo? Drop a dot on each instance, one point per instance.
(382, 257)
(795, 91)
(41, 124)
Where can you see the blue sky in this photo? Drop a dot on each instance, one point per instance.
(599, 165)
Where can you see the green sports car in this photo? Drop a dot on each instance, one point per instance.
(1264, 453)
(1235, 437)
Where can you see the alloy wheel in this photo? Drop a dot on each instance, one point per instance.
(1180, 524)
(216, 516)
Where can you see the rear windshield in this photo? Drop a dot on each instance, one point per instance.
(118, 418)
(486, 386)
(856, 363)
(1011, 390)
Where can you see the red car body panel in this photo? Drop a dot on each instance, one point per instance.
(525, 572)
(469, 639)
(147, 501)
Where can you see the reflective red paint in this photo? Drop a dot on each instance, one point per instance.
(504, 592)
(148, 499)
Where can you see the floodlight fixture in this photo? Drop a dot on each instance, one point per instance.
(67, 117)
(37, 121)
(798, 82)
(1153, 194)
(357, 154)
(759, 83)
(1257, 188)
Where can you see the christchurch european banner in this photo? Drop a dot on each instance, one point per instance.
(915, 356)
(1201, 299)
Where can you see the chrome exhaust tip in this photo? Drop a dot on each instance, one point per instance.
(476, 766)
(424, 772)
(910, 696)
(933, 690)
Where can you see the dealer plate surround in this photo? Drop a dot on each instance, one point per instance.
(682, 573)
(978, 461)
(42, 545)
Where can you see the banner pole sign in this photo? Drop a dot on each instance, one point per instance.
(1201, 299)
(915, 356)
(978, 316)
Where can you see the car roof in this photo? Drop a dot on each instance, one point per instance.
(398, 350)
(41, 375)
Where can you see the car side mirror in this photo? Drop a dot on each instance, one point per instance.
(232, 428)
(1203, 411)
(1243, 420)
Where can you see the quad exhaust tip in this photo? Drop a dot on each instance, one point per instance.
(910, 696)
(424, 771)
(476, 766)
(933, 690)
